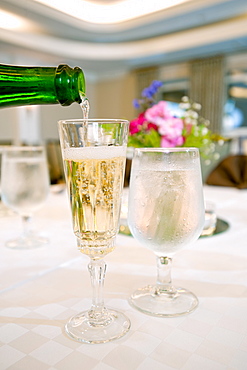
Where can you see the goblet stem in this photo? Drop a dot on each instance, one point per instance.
(28, 238)
(164, 282)
(26, 224)
(98, 311)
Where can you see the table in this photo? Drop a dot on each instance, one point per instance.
(40, 289)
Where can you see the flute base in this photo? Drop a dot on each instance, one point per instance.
(83, 329)
(163, 304)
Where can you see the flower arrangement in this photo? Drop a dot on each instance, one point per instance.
(158, 126)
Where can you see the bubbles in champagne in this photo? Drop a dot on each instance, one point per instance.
(95, 184)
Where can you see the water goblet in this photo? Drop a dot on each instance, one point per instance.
(24, 189)
(94, 154)
(166, 213)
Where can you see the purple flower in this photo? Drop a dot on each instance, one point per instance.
(157, 84)
(136, 103)
(150, 91)
(146, 93)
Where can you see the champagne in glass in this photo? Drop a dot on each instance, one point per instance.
(94, 153)
(166, 213)
(95, 179)
(24, 189)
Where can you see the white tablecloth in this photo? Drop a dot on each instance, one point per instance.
(41, 288)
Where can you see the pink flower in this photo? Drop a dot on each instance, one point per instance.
(166, 142)
(158, 112)
(136, 124)
(139, 123)
(170, 128)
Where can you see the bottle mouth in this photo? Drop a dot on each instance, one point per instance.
(79, 81)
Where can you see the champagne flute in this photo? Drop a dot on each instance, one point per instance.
(24, 189)
(94, 153)
(166, 213)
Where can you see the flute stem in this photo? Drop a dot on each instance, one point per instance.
(98, 313)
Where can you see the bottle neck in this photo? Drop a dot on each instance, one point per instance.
(69, 84)
(40, 85)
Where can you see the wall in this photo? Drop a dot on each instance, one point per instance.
(114, 97)
(8, 124)
(109, 98)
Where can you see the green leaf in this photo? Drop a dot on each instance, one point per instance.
(148, 139)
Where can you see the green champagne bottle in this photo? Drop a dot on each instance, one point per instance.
(40, 85)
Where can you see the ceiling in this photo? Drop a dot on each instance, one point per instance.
(101, 46)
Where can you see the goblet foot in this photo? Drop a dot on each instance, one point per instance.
(5, 211)
(154, 302)
(84, 329)
(27, 242)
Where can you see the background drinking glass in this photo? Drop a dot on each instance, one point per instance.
(4, 211)
(166, 213)
(94, 153)
(24, 188)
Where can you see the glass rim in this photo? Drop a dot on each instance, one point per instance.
(167, 150)
(99, 120)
